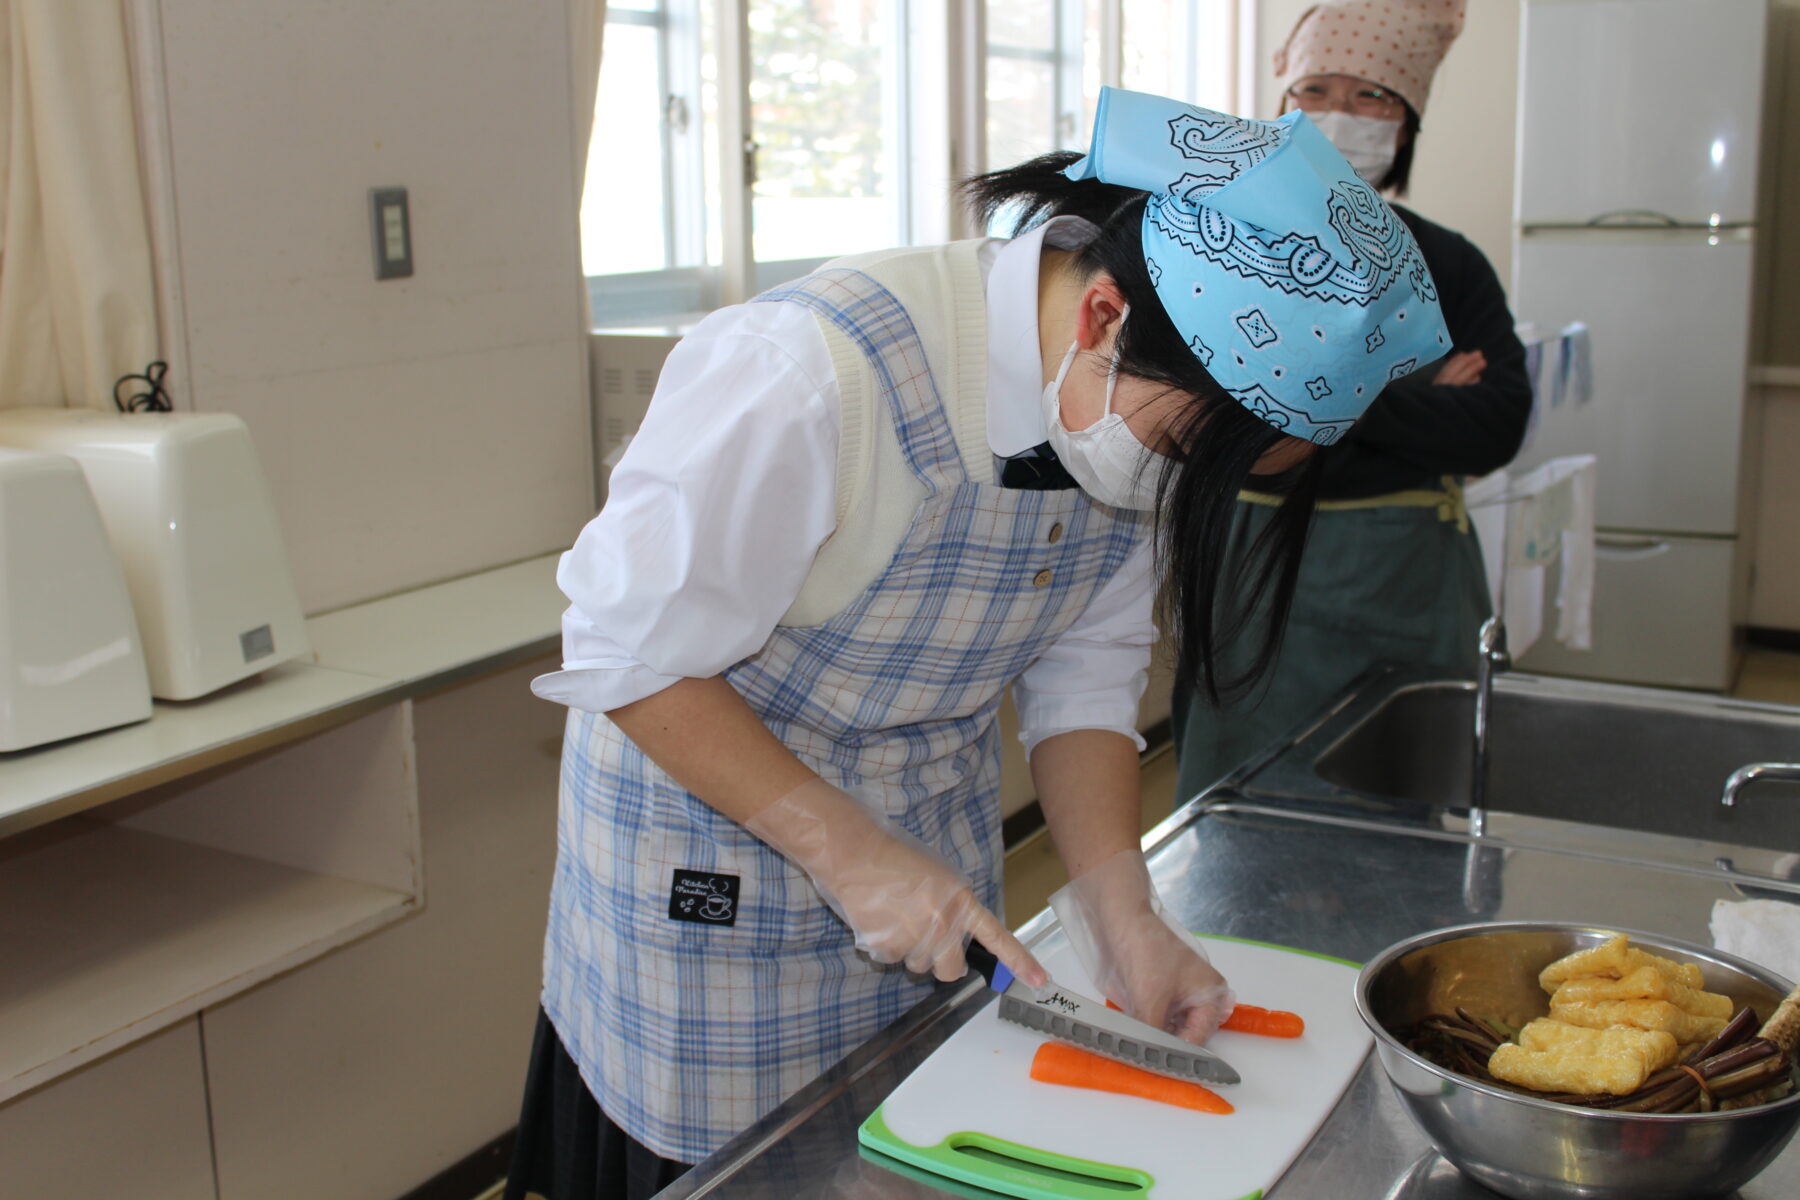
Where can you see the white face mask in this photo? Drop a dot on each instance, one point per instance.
(1106, 458)
(1369, 143)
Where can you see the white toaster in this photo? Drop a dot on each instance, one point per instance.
(184, 502)
(70, 659)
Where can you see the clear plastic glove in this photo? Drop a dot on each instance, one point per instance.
(903, 902)
(1137, 954)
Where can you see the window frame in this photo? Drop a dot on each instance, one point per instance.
(935, 118)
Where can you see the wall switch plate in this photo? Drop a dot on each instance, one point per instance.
(391, 224)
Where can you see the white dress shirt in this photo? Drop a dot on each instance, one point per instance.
(711, 522)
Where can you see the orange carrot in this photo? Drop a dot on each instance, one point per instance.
(1247, 1018)
(1269, 1022)
(1071, 1066)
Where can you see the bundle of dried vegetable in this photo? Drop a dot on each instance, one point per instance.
(1738, 1067)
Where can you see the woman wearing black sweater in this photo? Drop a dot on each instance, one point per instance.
(1391, 572)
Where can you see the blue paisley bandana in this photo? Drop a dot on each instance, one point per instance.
(1298, 288)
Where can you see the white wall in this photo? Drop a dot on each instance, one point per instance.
(412, 430)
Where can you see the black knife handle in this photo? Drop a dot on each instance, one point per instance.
(982, 961)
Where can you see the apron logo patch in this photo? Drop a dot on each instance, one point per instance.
(704, 897)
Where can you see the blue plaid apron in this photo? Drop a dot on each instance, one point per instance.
(687, 1031)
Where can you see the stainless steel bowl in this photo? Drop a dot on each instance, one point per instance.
(1532, 1149)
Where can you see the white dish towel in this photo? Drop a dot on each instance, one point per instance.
(1526, 523)
(1767, 932)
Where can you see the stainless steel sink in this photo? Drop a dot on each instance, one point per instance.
(1653, 763)
(1569, 761)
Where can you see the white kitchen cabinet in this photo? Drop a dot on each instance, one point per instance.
(132, 1124)
(239, 857)
(134, 915)
(401, 1054)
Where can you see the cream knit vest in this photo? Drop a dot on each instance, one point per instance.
(877, 493)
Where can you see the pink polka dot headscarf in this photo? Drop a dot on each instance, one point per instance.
(1395, 43)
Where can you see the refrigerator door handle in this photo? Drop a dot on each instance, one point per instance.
(1633, 217)
(1627, 546)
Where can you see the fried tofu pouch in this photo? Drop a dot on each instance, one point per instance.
(1555, 1057)
(1615, 959)
(1644, 983)
(1653, 1015)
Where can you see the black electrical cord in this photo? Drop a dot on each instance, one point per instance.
(156, 399)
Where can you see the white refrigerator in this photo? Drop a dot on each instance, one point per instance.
(1635, 215)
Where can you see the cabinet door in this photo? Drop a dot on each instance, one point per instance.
(361, 1075)
(132, 1124)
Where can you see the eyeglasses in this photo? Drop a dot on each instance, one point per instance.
(1362, 99)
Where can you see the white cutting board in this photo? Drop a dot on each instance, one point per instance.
(979, 1083)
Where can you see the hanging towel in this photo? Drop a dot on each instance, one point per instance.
(1486, 498)
(1515, 587)
(1540, 374)
(1575, 366)
(1528, 524)
(1550, 519)
(1575, 594)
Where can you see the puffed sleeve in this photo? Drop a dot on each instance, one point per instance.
(713, 515)
(1093, 676)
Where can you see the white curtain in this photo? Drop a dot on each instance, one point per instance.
(77, 293)
(587, 29)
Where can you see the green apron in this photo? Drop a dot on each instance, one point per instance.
(1395, 578)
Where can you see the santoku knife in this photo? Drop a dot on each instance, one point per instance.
(1081, 1021)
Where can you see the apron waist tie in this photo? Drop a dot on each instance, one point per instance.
(1448, 502)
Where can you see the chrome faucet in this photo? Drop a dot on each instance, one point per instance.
(1493, 657)
(1742, 777)
(1481, 866)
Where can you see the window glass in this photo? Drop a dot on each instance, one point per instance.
(624, 228)
(1081, 90)
(1022, 25)
(1021, 95)
(826, 127)
(1212, 51)
(1182, 48)
(1154, 46)
(1022, 60)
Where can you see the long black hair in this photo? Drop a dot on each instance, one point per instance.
(1399, 176)
(1218, 442)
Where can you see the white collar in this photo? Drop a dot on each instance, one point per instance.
(1015, 375)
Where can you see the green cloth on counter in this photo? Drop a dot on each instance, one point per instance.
(1381, 584)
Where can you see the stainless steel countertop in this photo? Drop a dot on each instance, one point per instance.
(1325, 878)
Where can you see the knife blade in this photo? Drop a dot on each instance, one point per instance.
(1081, 1021)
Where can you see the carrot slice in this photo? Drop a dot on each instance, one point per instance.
(1269, 1022)
(1247, 1018)
(1071, 1066)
